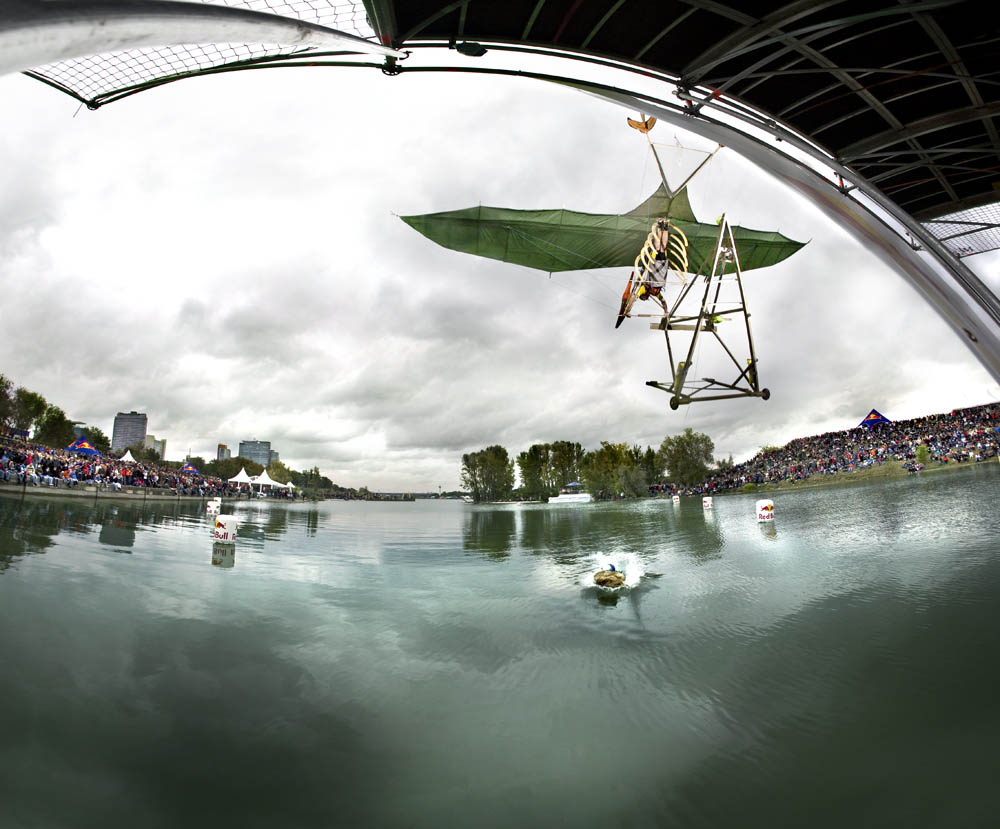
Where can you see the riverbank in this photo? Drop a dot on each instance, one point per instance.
(96, 493)
(889, 471)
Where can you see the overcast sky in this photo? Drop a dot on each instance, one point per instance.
(223, 254)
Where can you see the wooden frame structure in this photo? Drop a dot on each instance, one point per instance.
(682, 318)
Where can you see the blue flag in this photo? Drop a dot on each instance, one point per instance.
(82, 446)
(872, 418)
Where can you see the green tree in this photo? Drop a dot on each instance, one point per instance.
(651, 466)
(54, 428)
(306, 478)
(142, 454)
(28, 408)
(633, 478)
(312, 484)
(564, 463)
(612, 469)
(279, 472)
(533, 465)
(97, 439)
(687, 457)
(922, 455)
(488, 474)
(230, 467)
(6, 403)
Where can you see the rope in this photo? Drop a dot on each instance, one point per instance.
(578, 292)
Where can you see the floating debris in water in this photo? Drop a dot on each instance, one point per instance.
(609, 578)
(615, 571)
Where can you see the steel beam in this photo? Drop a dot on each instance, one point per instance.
(915, 129)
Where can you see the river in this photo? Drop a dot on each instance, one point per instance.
(437, 664)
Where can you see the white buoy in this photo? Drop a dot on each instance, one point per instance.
(225, 529)
(677, 499)
(706, 502)
(214, 507)
(765, 511)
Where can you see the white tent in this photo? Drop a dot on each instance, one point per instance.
(266, 480)
(127, 457)
(241, 477)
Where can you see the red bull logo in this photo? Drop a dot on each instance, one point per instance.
(765, 511)
(224, 529)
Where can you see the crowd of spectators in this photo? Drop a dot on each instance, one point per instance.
(31, 465)
(961, 436)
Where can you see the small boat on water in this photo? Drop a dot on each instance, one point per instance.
(467, 499)
(572, 494)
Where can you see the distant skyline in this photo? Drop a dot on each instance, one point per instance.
(224, 254)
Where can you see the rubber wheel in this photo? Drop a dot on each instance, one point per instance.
(765, 394)
(674, 403)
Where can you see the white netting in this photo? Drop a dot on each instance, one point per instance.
(678, 163)
(96, 77)
(971, 231)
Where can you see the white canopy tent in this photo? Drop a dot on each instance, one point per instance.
(266, 480)
(241, 477)
(127, 457)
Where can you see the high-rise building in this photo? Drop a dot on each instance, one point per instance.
(258, 451)
(222, 452)
(129, 430)
(159, 445)
(274, 457)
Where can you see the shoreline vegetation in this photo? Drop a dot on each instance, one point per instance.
(888, 472)
(684, 465)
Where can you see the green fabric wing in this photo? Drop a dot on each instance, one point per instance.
(566, 240)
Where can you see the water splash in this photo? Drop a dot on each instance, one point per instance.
(627, 563)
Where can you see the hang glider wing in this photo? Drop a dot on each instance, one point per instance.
(566, 240)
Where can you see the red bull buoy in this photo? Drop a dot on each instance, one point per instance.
(225, 529)
(765, 511)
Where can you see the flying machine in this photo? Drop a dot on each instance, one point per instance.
(691, 270)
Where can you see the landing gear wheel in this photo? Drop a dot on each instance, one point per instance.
(674, 403)
(765, 394)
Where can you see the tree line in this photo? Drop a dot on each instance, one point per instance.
(26, 410)
(612, 470)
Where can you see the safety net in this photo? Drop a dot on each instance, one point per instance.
(99, 79)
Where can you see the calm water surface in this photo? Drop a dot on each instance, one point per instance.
(434, 664)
